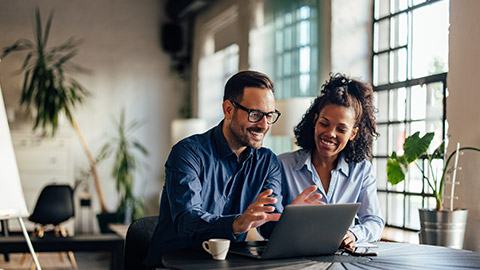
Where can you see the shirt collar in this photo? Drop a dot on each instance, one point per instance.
(304, 158)
(223, 149)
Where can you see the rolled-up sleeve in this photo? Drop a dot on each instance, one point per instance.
(371, 223)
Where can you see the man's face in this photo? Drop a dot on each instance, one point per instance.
(243, 132)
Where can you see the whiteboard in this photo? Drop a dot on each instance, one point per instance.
(12, 200)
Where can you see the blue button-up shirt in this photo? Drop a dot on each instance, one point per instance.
(206, 188)
(350, 183)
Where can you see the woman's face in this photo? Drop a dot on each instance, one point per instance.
(334, 127)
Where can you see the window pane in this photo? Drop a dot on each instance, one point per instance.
(396, 138)
(435, 101)
(304, 12)
(418, 102)
(417, 126)
(415, 178)
(287, 63)
(398, 99)
(305, 59)
(429, 202)
(381, 143)
(382, 35)
(278, 41)
(398, 5)
(437, 127)
(416, 2)
(304, 84)
(288, 37)
(412, 219)
(395, 209)
(398, 65)
(430, 44)
(381, 69)
(382, 199)
(380, 169)
(399, 30)
(381, 103)
(382, 8)
(304, 33)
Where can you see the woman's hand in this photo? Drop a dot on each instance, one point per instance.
(348, 240)
(306, 197)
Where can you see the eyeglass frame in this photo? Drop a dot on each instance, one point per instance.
(264, 114)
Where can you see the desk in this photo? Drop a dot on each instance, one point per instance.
(390, 256)
(89, 243)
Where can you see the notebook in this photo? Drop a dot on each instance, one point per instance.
(303, 230)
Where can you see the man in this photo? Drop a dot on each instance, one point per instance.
(222, 183)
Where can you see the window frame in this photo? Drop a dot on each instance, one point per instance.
(389, 192)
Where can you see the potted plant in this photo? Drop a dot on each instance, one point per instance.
(438, 226)
(125, 149)
(47, 90)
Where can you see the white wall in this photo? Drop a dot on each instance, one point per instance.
(122, 48)
(463, 109)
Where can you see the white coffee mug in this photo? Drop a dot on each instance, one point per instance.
(218, 248)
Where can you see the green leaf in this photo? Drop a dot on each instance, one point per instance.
(415, 146)
(438, 153)
(396, 169)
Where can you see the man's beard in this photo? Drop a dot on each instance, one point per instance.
(241, 137)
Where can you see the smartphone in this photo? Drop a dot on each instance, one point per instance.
(360, 251)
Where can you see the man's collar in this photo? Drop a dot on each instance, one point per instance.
(223, 149)
(221, 144)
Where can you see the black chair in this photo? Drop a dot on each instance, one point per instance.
(137, 242)
(54, 206)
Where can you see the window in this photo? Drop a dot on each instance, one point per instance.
(285, 46)
(410, 60)
(214, 71)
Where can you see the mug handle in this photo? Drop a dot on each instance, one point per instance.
(206, 247)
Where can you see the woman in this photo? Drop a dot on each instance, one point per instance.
(336, 136)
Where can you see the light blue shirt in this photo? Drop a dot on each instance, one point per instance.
(350, 183)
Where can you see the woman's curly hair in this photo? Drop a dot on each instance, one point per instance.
(343, 91)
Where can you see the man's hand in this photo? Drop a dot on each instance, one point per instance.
(306, 197)
(256, 213)
(348, 240)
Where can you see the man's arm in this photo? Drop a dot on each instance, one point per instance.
(184, 189)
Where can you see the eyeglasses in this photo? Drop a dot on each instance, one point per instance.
(255, 116)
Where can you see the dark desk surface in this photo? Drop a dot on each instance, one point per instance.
(89, 243)
(390, 256)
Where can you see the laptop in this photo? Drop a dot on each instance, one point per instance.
(303, 230)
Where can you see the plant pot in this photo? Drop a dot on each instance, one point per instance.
(443, 228)
(105, 219)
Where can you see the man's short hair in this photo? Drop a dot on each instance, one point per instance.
(236, 84)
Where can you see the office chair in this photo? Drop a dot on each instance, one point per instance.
(137, 242)
(54, 206)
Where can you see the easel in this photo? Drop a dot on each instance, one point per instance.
(14, 214)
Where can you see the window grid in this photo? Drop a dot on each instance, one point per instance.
(296, 52)
(392, 76)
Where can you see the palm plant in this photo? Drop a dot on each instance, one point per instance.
(126, 163)
(46, 87)
(415, 147)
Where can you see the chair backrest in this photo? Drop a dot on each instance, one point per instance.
(137, 242)
(54, 205)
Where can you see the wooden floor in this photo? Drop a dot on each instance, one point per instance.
(49, 260)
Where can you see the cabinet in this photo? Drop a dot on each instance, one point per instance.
(42, 161)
